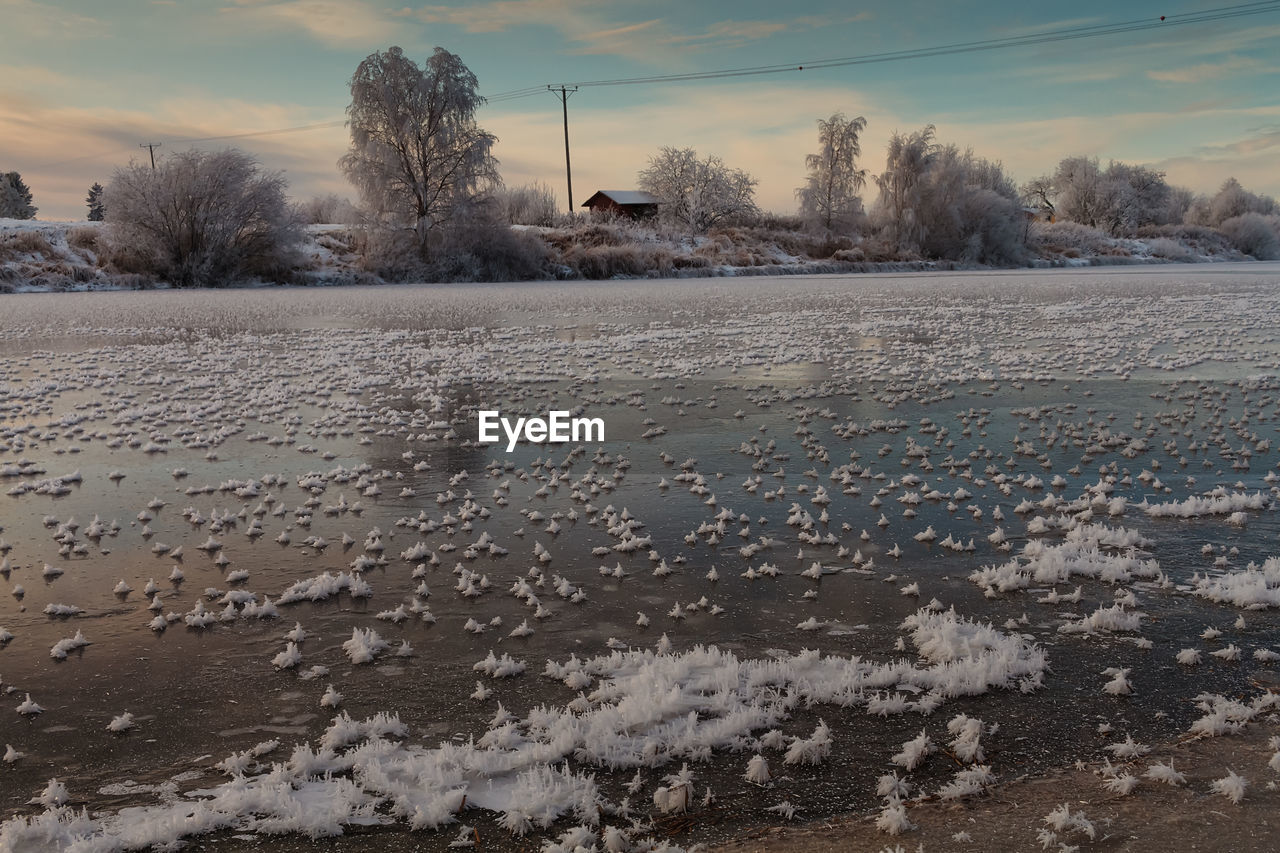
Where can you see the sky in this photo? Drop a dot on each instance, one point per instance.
(85, 82)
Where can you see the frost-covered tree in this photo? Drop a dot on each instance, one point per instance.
(832, 194)
(1077, 186)
(417, 156)
(908, 158)
(698, 193)
(94, 201)
(328, 210)
(1233, 200)
(1038, 193)
(1140, 197)
(1118, 199)
(15, 198)
(202, 218)
(1179, 205)
(944, 202)
(967, 209)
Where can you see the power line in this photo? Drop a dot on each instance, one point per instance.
(1046, 37)
(190, 139)
(247, 134)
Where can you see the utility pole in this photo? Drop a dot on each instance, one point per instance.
(564, 92)
(151, 148)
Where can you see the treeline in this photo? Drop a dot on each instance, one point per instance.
(432, 205)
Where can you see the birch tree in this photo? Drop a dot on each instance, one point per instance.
(831, 196)
(417, 156)
(908, 159)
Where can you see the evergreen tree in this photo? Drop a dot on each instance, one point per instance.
(94, 200)
(15, 198)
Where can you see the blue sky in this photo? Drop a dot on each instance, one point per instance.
(86, 81)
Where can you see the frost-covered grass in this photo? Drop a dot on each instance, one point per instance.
(648, 710)
(59, 256)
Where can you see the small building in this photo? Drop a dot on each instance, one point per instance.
(635, 204)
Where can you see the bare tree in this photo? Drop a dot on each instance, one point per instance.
(202, 218)
(1038, 193)
(831, 195)
(698, 193)
(417, 156)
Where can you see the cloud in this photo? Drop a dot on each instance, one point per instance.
(615, 41)
(35, 19)
(1048, 26)
(1207, 71)
(733, 33)
(1259, 139)
(337, 23)
(60, 151)
(37, 77)
(1210, 41)
(502, 15)
(593, 27)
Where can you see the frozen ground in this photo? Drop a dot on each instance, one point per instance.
(853, 544)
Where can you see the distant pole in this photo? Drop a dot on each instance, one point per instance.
(564, 92)
(151, 148)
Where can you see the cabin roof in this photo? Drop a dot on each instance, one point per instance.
(623, 197)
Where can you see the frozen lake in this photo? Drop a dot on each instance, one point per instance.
(1004, 499)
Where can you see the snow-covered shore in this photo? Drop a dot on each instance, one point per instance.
(42, 256)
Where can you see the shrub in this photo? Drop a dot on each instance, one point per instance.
(27, 243)
(1254, 234)
(203, 218)
(84, 237)
(488, 251)
(1064, 237)
(531, 204)
(389, 253)
(1170, 250)
(328, 210)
